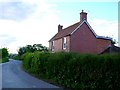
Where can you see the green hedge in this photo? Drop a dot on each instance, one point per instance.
(3, 55)
(17, 57)
(3, 60)
(75, 70)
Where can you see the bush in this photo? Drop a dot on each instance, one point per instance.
(4, 60)
(74, 70)
(17, 57)
(3, 55)
(27, 59)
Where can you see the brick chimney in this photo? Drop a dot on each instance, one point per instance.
(83, 15)
(60, 27)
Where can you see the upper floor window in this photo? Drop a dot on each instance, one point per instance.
(64, 43)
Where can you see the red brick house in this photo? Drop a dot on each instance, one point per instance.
(79, 37)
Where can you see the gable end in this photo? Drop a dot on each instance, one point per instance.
(84, 21)
(98, 37)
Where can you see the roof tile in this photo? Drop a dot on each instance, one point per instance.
(65, 31)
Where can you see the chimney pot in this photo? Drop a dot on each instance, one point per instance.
(83, 15)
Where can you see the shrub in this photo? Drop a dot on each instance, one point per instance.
(3, 60)
(4, 55)
(74, 70)
(27, 58)
(17, 57)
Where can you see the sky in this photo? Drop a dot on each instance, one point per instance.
(28, 22)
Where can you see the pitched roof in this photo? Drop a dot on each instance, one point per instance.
(66, 31)
(111, 49)
(73, 28)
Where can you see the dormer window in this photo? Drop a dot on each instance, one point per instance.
(64, 43)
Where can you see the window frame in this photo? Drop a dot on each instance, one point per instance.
(64, 42)
(53, 45)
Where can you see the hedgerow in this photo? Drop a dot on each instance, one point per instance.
(4, 55)
(74, 70)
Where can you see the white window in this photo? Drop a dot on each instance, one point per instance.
(52, 45)
(64, 43)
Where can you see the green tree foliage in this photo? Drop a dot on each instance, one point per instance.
(4, 52)
(4, 55)
(32, 48)
(22, 50)
(0, 54)
(113, 41)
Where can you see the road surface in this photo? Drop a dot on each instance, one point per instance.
(14, 77)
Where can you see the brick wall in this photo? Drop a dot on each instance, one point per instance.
(83, 40)
(58, 45)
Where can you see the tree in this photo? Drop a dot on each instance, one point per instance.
(22, 50)
(32, 48)
(39, 47)
(4, 55)
(113, 41)
(0, 53)
(4, 52)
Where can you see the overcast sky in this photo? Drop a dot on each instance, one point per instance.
(24, 22)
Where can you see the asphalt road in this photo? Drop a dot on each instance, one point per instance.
(14, 77)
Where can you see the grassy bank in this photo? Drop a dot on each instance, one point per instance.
(74, 70)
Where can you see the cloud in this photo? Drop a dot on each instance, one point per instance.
(105, 28)
(6, 40)
(15, 10)
(36, 27)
